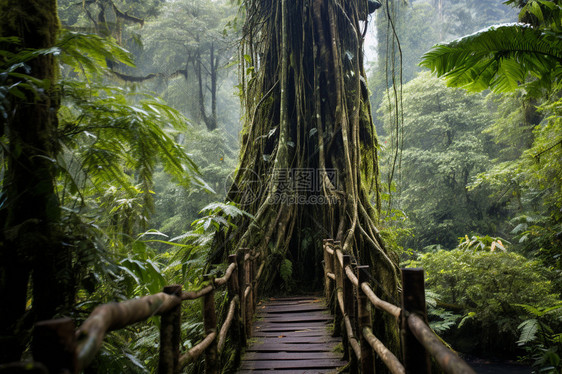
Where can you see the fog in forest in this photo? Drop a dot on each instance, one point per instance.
(151, 128)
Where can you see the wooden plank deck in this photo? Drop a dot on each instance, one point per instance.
(292, 336)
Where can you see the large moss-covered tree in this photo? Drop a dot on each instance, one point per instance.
(308, 164)
(30, 244)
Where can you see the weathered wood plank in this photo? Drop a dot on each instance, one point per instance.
(281, 328)
(311, 333)
(309, 299)
(284, 339)
(291, 371)
(282, 308)
(293, 364)
(291, 318)
(272, 356)
(280, 347)
(293, 337)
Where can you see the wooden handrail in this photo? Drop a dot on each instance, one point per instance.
(113, 316)
(351, 276)
(81, 345)
(227, 322)
(196, 351)
(419, 341)
(379, 303)
(222, 281)
(449, 361)
(389, 359)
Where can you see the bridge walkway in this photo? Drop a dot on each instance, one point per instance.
(292, 335)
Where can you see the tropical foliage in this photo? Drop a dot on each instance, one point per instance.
(117, 148)
(483, 281)
(503, 57)
(442, 150)
(512, 192)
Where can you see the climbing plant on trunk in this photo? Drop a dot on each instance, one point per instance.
(30, 243)
(308, 164)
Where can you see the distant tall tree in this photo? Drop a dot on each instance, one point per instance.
(310, 141)
(191, 39)
(443, 149)
(30, 243)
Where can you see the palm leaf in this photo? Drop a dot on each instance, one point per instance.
(500, 57)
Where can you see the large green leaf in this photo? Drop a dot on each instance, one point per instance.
(501, 58)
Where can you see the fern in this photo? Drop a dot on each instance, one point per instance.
(499, 57)
(529, 330)
(286, 271)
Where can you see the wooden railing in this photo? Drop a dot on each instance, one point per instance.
(59, 348)
(348, 286)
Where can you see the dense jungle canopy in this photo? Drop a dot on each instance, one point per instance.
(145, 141)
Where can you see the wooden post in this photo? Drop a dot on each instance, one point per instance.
(210, 326)
(416, 359)
(170, 335)
(241, 288)
(233, 291)
(328, 268)
(348, 307)
(339, 287)
(364, 320)
(248, 300)
(54, 345)
(254, 281)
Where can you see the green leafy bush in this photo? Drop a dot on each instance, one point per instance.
(540, 339)
(484, 286)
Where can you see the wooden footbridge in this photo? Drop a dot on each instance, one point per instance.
(276, 335)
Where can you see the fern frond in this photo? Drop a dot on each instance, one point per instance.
(499, 57)
(529, 330)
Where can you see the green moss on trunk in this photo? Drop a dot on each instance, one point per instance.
(31, 244)
(307, 111)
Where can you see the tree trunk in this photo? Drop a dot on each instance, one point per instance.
(30, 216)
(210, 121)
(309, 144)
(214, 75)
